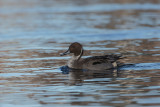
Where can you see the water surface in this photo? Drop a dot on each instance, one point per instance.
(33, 33)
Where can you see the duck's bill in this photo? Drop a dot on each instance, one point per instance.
(65, 53)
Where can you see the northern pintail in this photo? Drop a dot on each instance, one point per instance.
(90, 63)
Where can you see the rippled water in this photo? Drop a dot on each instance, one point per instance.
(33, 33)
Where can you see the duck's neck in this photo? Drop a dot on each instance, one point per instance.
(78, 57)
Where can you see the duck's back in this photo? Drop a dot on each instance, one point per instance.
(100, 62)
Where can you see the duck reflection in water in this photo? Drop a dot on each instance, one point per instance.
(77, 76)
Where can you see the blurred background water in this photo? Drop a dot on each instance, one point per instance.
(34, 32)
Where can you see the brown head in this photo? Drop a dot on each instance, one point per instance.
(75, 48)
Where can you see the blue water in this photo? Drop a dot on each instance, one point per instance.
(34, 33)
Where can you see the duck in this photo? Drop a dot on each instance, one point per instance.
(104, 62)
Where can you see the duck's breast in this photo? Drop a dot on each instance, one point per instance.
(74, 63)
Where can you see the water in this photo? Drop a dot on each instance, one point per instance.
(33, 33)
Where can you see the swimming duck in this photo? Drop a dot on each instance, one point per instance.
(91, 63)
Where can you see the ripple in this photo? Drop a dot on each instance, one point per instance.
(141, 66)
(33, 74)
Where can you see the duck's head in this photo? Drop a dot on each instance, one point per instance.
(75, 48)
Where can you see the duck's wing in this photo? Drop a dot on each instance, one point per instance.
(113, 58)
(106, 59)
(101, 62)
(109, 58)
